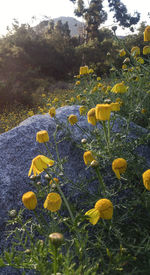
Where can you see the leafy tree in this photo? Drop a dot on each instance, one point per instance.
(94, 14)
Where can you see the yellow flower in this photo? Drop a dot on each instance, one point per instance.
(140, 60)
(124, 66)
(115, 106)
(102, 209)
(88, 157)
(73, 119)
(53, 202)
(98, 78)
(72, 99)
(31, 113)
(29, 200)
(143, 111)
(52, 112)
(42, 136)
(119, 88)
(122, 52)
(90, 71)
(146, 50)
(146, 179)
(135, 51)
(82, 110)
(77, 82)
(79, 97)
(119, 166)
(103, 111)
(39, 164)
(54, 180)
(91, 117)
(84, 70)
(147, 34)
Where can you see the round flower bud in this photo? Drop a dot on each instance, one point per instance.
(84, 141)
(53, 202)
(29, 200)
(56, 239)
(13, 213)
(42, 136)
(52, 112)
(72, 119)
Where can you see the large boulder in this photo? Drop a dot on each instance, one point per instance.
(18, 147)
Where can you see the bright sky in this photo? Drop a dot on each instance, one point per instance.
(24, 10)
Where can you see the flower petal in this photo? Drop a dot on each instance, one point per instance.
(94, 215)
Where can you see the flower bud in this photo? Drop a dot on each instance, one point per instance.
(56, 239)
(29, 200)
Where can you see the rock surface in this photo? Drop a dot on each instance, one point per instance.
(18, 147)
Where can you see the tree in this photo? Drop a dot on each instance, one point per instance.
(94, 14)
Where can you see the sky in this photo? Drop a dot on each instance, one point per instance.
(25, 10)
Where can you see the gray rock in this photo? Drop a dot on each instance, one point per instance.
(18, 147)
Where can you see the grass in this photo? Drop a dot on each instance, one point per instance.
(119, 241)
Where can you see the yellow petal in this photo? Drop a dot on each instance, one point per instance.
(30, 171)
(47, 160)
(94, 215)
(117, 173)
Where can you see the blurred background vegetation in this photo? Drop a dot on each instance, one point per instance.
(34, 59)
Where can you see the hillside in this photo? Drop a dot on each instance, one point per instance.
(75, 26)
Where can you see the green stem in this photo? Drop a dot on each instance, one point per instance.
(48, 150)
(66, 202)
(84, 131)
(55, 260)
(105, 134)
(102, 184)
(109, 132)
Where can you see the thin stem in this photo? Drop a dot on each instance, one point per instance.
(105, 134)
(66, 202)
(102, 184)
(55, 260)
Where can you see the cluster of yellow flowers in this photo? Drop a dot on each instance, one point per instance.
(103, 208)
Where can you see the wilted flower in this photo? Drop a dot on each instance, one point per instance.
(83, 110)
(29, 200)
(72, 119)
(119, 166)
(115, 106)
(102, 209)
(84, 70)
(143, 111)
(42, 136)
(119, 88)
(147, 34)
(52, 112)
(39, 164)
(146, 50)
(91, 117)
(135, 51)
(54, 180)
(56, 239)
(122, 52)
(88, 157)
(126, 60)
(53, 202)
(146, 179)
(103, 111)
